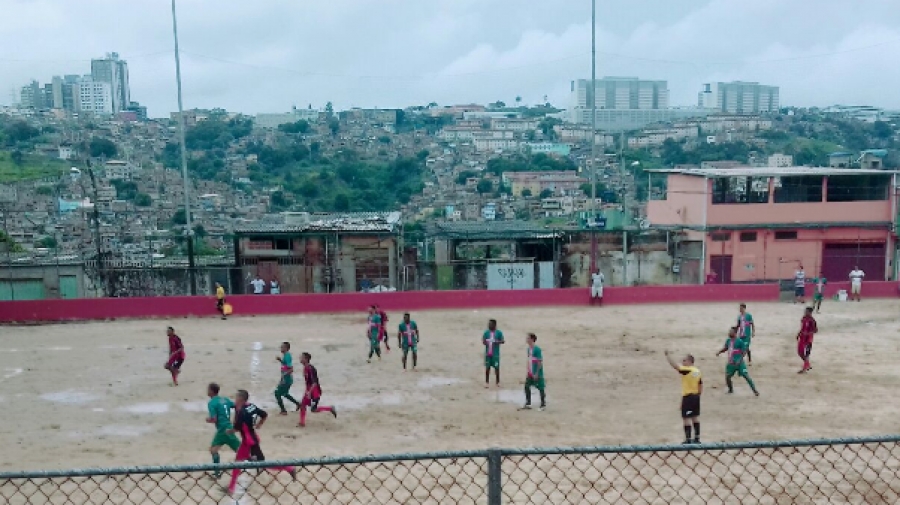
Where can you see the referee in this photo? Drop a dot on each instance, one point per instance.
(691, 388)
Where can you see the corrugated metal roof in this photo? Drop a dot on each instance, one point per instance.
(323, 221)
(773, 171)
(870, 225)
(488, 230)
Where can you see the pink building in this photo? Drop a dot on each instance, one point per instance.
(756, 224)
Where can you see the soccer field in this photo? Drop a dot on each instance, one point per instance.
(96, 394)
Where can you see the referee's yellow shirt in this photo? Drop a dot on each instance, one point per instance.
(220, 292)
(690, 380)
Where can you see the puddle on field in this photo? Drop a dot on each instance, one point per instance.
(122, 430)
(9, 373)
(257, 346)
(392, 399)
(194, 406)
(72, 397)
(433, 382)
(507, 396)
(146, 408)
(98, 410)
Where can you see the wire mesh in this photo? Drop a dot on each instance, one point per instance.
(782, 474)
(794, 472)
(427, 481)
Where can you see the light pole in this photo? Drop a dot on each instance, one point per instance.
(189, 232)
(593, 205)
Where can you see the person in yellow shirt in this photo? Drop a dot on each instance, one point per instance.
(691, 388)
(220, 300)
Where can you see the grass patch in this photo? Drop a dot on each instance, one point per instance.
(33, 167)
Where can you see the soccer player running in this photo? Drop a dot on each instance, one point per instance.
(535, 377)
(746, 329)
(408, 340)
(220, 300)
(597, 287)
(736, 348)
(373, 332)
(492, 339)
(800, 286)
(248, 419)
(691, 389)
(808, 328)
(382, 330)
(220, 409)
(856, 278)
(313, 391)
(819, 291)
(176, 355)
(287, 378)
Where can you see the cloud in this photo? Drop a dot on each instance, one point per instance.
(267, 56)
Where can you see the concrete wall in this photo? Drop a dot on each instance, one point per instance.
(768, 259)
(249, 305)
(685, 198)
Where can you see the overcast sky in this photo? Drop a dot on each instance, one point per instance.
(267, 55)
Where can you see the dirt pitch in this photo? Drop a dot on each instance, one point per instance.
(95, 394)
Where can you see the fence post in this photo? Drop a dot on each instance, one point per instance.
(495, 485)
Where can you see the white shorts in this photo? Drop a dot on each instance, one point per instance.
(596, 291)
(855, 288)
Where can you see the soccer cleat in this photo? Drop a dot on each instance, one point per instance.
(542, 408)
(756, 393)
(687, 442)
(334, 412)
(527, 406)
(730, 391)
(369, 360)
(696, 441)
(282, 413)
(486, 386)
(293, 473)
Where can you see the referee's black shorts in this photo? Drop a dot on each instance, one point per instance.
(690, 406)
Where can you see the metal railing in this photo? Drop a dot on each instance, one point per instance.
(857, 470)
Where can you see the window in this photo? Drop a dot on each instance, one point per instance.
(720, 237)
(798, 189)
(785, 235)
(283, 244)
(730, 190)
(748, 236)
(858, 188)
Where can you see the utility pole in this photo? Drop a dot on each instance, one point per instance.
(593, 211)
(189, 232)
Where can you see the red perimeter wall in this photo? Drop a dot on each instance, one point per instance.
(204, 306)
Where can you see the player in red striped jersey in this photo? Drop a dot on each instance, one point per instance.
(808, 328)
(176, 355)
(247, 420)
(313, 390)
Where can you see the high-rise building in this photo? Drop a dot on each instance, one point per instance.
(70, 92)
(56, 93)
(621, 93)
(31, 96)
(739, 97)
(95, 97)
(114, 72)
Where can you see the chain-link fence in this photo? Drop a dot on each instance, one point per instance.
(864, 470)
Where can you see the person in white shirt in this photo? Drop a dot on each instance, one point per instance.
(856, 278)
(597, 287)
(800, 286)
(274, 287)
(258, 285)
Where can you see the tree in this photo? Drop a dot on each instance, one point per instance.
(499, 104)
(526, 193)
(484, 186)
(547, 193)
(465, 175)
(143, 200)
(518, 99)
(9, 243)
(341, 202)
(17, 157)
(422, 155)
(278, 200)
(882, 130)
(301, 126)
(44, 191)
(179, 217)
(100, 147)
(200, 231)
(334, 125)
(384, 139)
(46, 243)
(329, 109)
(20, 131)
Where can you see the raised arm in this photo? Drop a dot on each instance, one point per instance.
(671, 361)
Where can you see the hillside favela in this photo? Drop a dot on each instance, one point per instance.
(436, 197)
